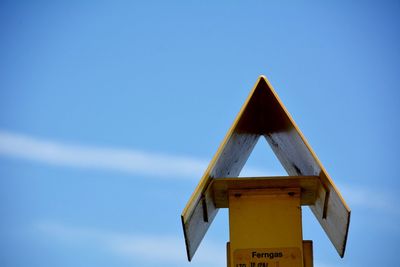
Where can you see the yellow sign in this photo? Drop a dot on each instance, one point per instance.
(277, 257)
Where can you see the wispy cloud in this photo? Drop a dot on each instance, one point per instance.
(362, 196)
(161, 165)
(124, 160)
(155, 249)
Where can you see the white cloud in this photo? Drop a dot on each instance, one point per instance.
(124, 160)
(147, 163)
(361, 196)
(156, 249)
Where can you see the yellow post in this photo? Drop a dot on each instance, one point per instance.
(265, 228)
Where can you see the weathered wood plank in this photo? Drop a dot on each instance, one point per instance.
(298, 158)
(228, 162)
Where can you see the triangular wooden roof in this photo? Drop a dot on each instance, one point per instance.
(263, 114)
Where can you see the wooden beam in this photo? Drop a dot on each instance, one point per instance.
(310, 187)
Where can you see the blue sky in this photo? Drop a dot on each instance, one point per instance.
(110, 112)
